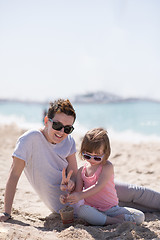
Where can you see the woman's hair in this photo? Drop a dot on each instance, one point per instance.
(61, 106)
(94, 140)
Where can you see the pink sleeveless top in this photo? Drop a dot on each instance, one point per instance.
(104, 199)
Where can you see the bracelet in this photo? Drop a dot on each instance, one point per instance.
(7, 214)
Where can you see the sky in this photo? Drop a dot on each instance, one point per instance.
(61, 48)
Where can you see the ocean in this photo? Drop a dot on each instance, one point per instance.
(126, 121)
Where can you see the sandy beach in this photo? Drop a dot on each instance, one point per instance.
(137, 163)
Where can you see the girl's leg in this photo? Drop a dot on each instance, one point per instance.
(134, 215)
(129, 214)
(138, 197)
(95, 217)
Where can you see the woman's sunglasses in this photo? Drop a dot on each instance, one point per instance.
(58, 126)
(89, 157)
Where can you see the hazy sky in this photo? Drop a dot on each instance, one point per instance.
(59, 48)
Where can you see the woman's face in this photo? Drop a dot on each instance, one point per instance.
(55, 136)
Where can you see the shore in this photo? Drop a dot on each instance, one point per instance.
(136, 163)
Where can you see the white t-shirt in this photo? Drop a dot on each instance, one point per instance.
(44, 162)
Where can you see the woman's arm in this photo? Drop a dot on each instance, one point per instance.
(69, 174)
(15, 172)
(79, 181)
(72, 165)
(79, 185)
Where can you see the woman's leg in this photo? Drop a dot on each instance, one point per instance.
(138, 197)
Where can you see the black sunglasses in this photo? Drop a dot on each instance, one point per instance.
(58, 126)
(89, 157)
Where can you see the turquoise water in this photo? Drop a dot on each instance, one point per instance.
(140, 117)
(124, 118)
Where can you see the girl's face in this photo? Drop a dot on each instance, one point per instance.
(94, 158)
(55, 136)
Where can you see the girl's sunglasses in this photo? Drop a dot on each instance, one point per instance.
(58, 126)
(89, 157)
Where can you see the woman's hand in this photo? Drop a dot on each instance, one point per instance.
(67, 184)
(3, 217)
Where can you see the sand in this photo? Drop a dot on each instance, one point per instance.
(137, 163)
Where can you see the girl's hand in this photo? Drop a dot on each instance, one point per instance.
(67, 184)
(74, 197)
(63, 199)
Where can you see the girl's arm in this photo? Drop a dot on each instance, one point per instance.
(106, 174)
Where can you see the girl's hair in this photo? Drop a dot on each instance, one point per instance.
(61, 106)
(94, 140)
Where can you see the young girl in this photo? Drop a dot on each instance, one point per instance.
(95, 184)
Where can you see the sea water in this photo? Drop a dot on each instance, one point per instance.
(136, 120)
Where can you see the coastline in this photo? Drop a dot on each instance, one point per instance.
(136, 163)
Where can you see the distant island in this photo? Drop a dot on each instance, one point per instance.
(105, 97)
(90, 97)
